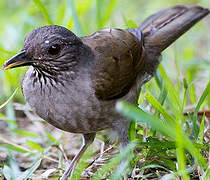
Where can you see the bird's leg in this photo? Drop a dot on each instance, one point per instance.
(87, 140)
(122, 129)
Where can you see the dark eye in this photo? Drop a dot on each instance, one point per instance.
(54, 49)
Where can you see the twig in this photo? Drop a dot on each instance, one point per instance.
(200, 113)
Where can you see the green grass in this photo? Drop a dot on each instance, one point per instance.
(165, 143)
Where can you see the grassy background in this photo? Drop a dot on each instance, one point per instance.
(184, 74)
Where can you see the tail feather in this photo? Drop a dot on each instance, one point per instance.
(163, 28)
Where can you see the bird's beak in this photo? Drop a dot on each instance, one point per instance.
(17, 61)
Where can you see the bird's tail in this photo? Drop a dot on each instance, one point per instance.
(163, 28)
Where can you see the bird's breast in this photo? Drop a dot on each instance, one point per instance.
(72, 107)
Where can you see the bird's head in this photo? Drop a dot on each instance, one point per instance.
(48, 48)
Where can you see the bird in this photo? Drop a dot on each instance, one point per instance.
(74, 82)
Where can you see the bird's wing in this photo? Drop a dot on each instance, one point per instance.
(117, 60)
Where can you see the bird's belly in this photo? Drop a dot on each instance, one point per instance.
(76, 117)
(72, 117)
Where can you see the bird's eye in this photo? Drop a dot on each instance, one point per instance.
(54, 49)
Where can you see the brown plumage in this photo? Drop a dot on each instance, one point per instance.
(74, 83)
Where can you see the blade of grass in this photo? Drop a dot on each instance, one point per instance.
(159, 107)
(185, 93)
(75, 17)
(181, 153)
(12, 171)
(170, 88)
(201, 131)
(82, 164)
(168, 145)
(52, 139)
(135, 113)
(132, 130)
(35, 146)
(195, 152)
(25, 133)
(26, 174)
(61, 13)
(159, 80)
(192, 94)
(200, 102)
(128, 22)
(10, 98)
(163, 93)
(174, 100)
(10, 147)
(121, 170)
(44, 11)
(109, 11)
(177, 67)
(10, 112)
(202, 98)
(99, 6)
